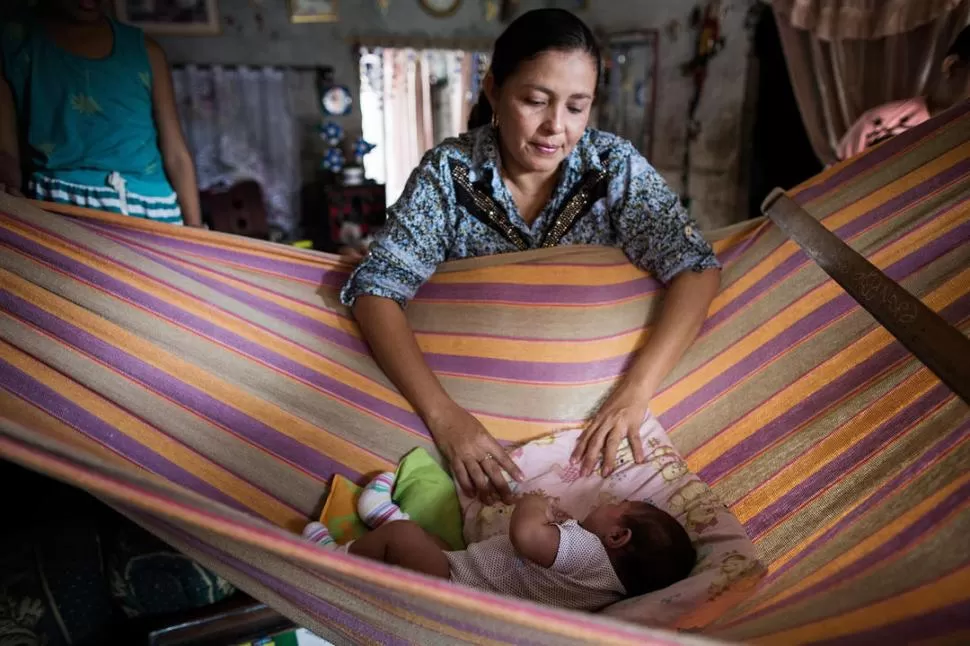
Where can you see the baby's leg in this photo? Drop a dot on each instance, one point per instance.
(405, 544)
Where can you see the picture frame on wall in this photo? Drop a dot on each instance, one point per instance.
(171, 17)
(302, 11)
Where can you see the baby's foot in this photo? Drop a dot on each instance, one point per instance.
(319, 534)
(374, 506)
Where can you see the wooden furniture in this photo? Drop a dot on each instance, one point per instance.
(239, 209)
(236, 620)
(337, 204)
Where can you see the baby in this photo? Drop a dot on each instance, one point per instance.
(619, 550)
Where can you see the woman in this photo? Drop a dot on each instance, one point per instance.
(508, 185)
(87, 108)
(952, 86)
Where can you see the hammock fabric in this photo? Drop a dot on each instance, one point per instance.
(210, 386)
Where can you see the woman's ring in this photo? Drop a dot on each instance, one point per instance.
(488, 456)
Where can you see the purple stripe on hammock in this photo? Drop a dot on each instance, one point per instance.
(907, 199)
(948, 442)
(732, 253)
(262, 305)
(208, 329)
(322, 610)
(189, 266)
(283, 589)
(846, 232)
(381, 594)
(817, 403)
(908, 536)
(804, 328)
(848, 460)
(189, 397)
(479, 630)
(539, 294)
(317, 275)
(886, 151)
(921, 629)
(553, 294)
(792, 420)
(56, 405)
(528, 371)
(501, 369)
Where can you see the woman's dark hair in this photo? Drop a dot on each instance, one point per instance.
(531, 34)
(961, 46)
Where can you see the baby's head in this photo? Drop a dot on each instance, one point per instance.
(649, 549)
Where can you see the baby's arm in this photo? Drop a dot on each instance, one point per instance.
(533, 530)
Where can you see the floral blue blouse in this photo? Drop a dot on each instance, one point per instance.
(455, 205)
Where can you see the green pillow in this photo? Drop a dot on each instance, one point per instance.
(427, 494)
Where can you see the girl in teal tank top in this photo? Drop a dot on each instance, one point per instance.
(96, 121)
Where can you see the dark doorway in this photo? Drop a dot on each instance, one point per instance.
(781, 155)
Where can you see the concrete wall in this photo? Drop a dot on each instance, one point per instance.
(258, 32)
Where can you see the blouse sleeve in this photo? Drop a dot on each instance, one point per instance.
(413, 242)
(652, 226)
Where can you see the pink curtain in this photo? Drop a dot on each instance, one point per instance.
(848, 56)
(411, 100)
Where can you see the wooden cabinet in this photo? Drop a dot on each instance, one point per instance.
(354, 207)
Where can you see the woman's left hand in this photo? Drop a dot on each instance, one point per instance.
(621, 416)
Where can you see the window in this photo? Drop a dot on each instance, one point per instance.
(410, 101)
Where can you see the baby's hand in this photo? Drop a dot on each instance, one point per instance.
(559, 515)
(543, 504)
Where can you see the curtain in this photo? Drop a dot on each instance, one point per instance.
(239, 126)
(412, 100)
(848, 56)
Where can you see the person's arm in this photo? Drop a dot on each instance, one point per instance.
(403, 256)
(533, 530)
(175, 154)
(683, 312)
(658, 235)
(461, 438)
(11, 177)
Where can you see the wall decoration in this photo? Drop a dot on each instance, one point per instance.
(629, 87)
(331, 133)
(313, 11)
(170, 17)
(337, 100)
(333, 160)
(361, 148)
(440, 8)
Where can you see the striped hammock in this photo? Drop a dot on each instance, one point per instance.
(209, 387)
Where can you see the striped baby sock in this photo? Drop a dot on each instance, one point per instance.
(319, 534)
(374, 506)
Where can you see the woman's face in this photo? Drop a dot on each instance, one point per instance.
(82, 10)
(543, 108)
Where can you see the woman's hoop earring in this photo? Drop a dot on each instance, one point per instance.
(494, 120)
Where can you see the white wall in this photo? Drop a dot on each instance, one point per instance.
(259, 32)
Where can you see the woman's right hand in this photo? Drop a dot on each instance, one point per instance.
(476, 458)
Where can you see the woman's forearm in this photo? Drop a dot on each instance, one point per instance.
(685, 308)
(181, 174)
(386, 329)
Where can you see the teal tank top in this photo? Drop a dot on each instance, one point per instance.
(87, 125)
